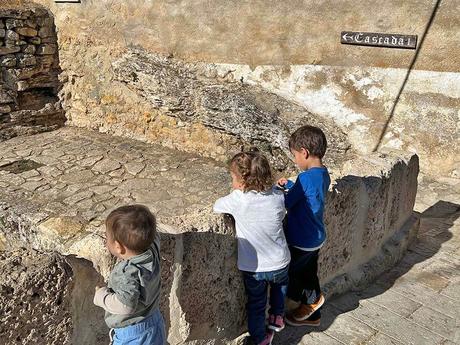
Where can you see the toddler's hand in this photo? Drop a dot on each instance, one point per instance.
(282, 181)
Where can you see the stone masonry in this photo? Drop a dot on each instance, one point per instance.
(29, 68)
(57, 187)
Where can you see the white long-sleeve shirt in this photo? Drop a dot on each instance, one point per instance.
(258, 218)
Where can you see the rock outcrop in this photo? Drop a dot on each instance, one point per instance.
(193, 93)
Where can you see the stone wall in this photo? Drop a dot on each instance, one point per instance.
(57, 188)
(29, 68)
(290, 48)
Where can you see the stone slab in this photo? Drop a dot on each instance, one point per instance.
(427, 296)
(391, 300)
(437, 322)
(382, 339)
(394, 325)
(346, 328)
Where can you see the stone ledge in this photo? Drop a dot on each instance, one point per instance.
(59, 203)
(388, 256)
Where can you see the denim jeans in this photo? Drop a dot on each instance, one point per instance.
(150, 331)
(256, 285)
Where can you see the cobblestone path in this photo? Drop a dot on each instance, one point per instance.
(83, 174)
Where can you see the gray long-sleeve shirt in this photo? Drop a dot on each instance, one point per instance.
(133, 289)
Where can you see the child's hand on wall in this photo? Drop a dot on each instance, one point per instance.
(282, 181)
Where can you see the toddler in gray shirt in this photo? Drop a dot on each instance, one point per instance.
(131, 297)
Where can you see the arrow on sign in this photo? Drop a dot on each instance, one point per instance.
(346, 37)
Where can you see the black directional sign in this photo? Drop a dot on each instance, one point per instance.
(379, 40)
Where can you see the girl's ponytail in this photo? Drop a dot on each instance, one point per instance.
(253, 169)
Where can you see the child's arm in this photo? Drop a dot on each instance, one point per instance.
(295, 193)
(124, 296)
(225, 204)
(109, 301)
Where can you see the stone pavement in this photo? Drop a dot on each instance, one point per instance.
(83, 174)
(418, 301)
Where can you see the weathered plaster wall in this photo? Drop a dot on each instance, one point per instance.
(291, 48)
(29, 68)
(359, 100)
(261, 33)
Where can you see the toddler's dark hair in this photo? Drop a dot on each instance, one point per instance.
(253, 169)
(310, 138)
(134, 226)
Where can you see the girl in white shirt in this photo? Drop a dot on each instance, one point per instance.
(263, 254)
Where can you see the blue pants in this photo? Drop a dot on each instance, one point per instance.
(256, 285)
(150, 331)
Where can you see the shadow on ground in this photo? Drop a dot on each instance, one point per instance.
(435, 223)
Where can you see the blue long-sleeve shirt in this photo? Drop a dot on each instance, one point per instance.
(305, 207)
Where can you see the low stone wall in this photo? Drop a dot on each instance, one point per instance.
(59, 204)
(29, 67)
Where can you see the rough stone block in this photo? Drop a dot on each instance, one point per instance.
(46, 49)
(9, 50)
(50, 39)
(14, 23)
(22, 85)
(11, 35)
(8, 61)
(26, 60)
(2, 32)
(5, 97)
(29, 275)
(5, 109)
(26, 31)
(35, 40)
(10, 43)
(2, 25)
(31, 23)
(46, 31)
(29, 49)
(221, 280)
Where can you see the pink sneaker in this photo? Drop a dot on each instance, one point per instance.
(275, 323)
(268, 338)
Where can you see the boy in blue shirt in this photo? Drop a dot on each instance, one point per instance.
(305, 231)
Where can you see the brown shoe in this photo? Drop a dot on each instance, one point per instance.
(292, 322)
(304, 311)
